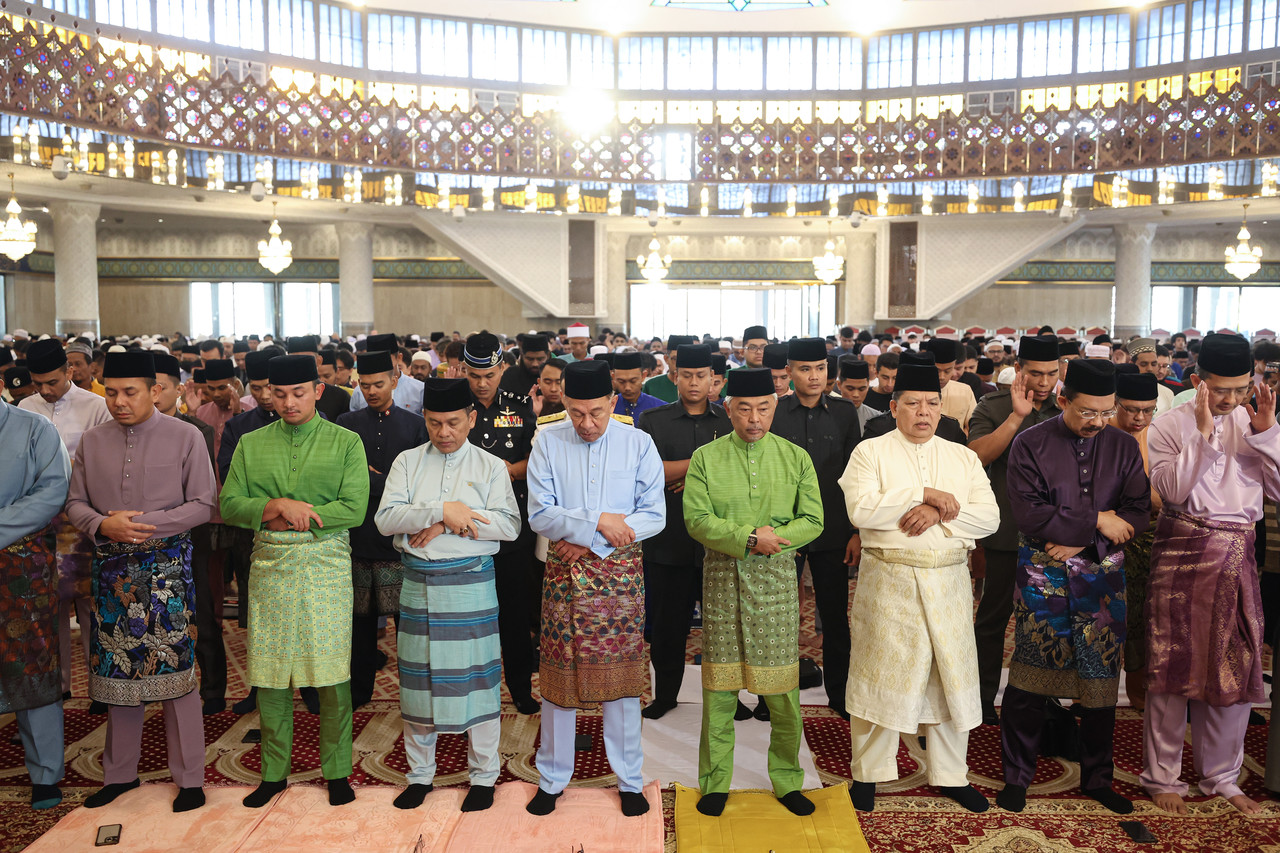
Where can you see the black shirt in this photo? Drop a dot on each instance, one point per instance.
(676, 434)
(235, 429)
(828, 432)
(518, 379)
(333, 402)
(877, 401)
(385, 436)
(948, 428)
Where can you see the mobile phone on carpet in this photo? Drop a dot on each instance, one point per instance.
(108, 835)
(252, 736)
(1139, 833)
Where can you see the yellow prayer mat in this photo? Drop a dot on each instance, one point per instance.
(755, 822)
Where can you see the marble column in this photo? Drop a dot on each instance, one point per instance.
(859, 279)
(75, 267)
(1133, 280)
(355, 277)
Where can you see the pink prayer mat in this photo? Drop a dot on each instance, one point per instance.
(588, 819)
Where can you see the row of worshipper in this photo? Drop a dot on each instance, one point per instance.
(1070, 635)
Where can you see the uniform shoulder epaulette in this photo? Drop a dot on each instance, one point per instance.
(550, 419)
(522, 399)
(626, 419)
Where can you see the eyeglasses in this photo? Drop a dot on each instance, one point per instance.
(756, 348)
(1139, 411)
(1231, 392)
(1090, 414)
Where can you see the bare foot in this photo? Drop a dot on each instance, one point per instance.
(1173, 803)
(1244, 804)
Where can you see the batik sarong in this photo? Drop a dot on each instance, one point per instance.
(1204, 611)
(1137, 567)
(913, 657)
(750, 623)
(376, 586)
(30, 672)
(450, 655)
(75, 560)
(1069, 625)
(142, 629)
(299, 609)
(592, 645)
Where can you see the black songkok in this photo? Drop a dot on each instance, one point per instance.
(755, 333)
(1221, 355)
(45, 356)
(6, 356)
(1138, 387)
(944, 351)
(382, 343)
(628, 361)
(304, 343)
(165, 364)
(255, 363)
(218, 369)
(292, 370)
(1068, 348)
(917, 377)
(240, 346)
(197, 376)
(482, 351)
(986, 366)
(1037, 348)
(587, 380)
(775, 356)
(445, 395)
(129, 365)
(917, 358)
(807, 349)
(852, 368)
(1091, 376)
(17, 377)
(533, 343)
(693, 356)
(377, 361)
(719, 363)
(750, 382)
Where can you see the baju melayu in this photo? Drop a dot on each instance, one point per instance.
(1204, 610)
(661, 387)
(958, 402)
(406, 395)
(592, 643)
(1069, 617)
(300, 599)
(750, 602)
(450, 655)
(914, 663)
(376, 573)
(643, 403)
(142, 629)
(34, 476)
(74, 413)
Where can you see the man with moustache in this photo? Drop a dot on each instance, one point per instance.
(520, 377)
(1078, 493)
(828, 430)
(920, 503)
(992, 427)
(333, 401)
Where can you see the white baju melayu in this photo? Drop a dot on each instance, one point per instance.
(913, 661)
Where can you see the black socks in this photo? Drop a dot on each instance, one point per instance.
(108, 793)
(1110, 799)
(479, 798)
(340, 792)
(1013, 798)
(542, 803)
(797, 803)
(633, 803)
(712, 805)
(863, 795)
(967, 796)
(412, 796)
(188, 799)
(45, 796)
(655, 709)
(264, 792)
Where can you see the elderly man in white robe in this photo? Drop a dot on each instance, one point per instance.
(920, 503)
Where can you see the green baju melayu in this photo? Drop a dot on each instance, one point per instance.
(300, 596)
(661, 387)
(751, 606)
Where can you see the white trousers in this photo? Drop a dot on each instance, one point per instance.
(875, 753)
(622, 745)
(483, 760)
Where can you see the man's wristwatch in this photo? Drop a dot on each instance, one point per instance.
(751, 541)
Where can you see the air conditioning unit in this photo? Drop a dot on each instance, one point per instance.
(997, 102)
(976, 103)
(1257, 71)
(487, 100)
(240, 70)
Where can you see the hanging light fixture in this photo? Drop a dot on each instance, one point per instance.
(18, 239)
(654, 267)
(275, 254)
(1243, 261)
(829, 266)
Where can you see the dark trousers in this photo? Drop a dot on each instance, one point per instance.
(211, 653)
(992, 621)
(670, 593)
(1022, 716)
(831, 596)
(240, 555)
(513, 579)
(364, 656)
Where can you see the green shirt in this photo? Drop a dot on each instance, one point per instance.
(318, 462)
(770, 483)
(661, 387)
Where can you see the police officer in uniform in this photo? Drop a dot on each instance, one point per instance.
(504, 427)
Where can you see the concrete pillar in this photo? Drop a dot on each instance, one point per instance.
(75, 267)
(355, 277)
(859, 279)
(1133, 280)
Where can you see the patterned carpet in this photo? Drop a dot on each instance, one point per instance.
(908, 817)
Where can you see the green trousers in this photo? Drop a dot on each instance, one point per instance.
(276, 709)
(715, 746)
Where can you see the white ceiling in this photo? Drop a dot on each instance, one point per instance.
(629, 16)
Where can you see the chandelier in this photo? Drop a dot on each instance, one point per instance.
(275, 254)
(1243, 261)
(829, 266)
(653, 266)
(18, 239)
